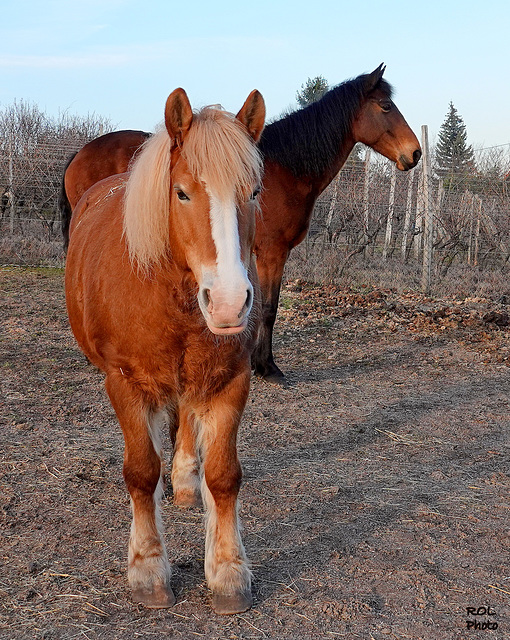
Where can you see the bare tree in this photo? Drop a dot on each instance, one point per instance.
(34, 148)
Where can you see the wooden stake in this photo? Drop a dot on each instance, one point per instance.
(428, 213)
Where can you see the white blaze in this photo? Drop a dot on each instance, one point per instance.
(228, 287)
(225, 232)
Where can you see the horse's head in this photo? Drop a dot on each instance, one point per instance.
(215, 177)
(381, 126)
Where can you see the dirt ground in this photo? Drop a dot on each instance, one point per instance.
(375, 496)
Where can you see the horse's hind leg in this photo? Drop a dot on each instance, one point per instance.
(148, 568)
(226, 567)
(185, 464)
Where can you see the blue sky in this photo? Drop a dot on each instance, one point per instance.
(121, 58)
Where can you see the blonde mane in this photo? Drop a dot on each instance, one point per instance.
(218, 152)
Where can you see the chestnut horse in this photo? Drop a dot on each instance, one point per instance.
(160, 283)
(302, 153)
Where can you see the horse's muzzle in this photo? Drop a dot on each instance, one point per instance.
(404, 163)
(226, 314)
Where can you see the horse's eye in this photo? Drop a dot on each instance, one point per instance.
(255, 193)
(385, 106)
(181, 195)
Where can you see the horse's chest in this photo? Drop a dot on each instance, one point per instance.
(205, 370)
(180, 357)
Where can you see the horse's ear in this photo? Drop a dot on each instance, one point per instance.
(253, 114)
(178, 116)
(373, 79)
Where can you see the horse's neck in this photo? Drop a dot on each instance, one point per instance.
(337, 162)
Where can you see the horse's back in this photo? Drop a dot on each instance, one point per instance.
(102, 157)
(100, 205)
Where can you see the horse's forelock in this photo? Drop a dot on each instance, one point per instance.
(219, 152)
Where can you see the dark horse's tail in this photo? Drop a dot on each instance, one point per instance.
(65, 206)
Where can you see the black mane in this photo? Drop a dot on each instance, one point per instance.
(307, 141)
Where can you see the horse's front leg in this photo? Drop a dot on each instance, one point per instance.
(148, 568)
(270, 272)
(226, 566)
(185, 464)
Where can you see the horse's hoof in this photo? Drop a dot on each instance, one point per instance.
(270, 373)
(187, 499)
(160, 597)
(228, 605)
(275, 377)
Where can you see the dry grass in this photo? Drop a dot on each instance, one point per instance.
(313, 260)
(327, 264)
(30, 246)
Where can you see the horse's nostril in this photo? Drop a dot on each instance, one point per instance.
(416, 156)
(206, 297)
(247, 304)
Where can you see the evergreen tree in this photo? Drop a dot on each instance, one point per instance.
(454, 157)
(311, 91)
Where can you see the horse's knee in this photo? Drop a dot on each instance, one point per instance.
(223, 481)
(142, 474)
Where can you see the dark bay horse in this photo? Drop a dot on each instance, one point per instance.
(162, 296)
(302, 153)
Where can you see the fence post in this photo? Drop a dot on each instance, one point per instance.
(428, 213)
(437, 211)
(474, 230)
(391, 211)
(418, 218)
(407, 219)
(11, 191)
(332, 207)
(477, 240)
(366, 185)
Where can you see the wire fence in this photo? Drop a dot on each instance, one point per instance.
(373, 225)
(448, 234)
(30, 180)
